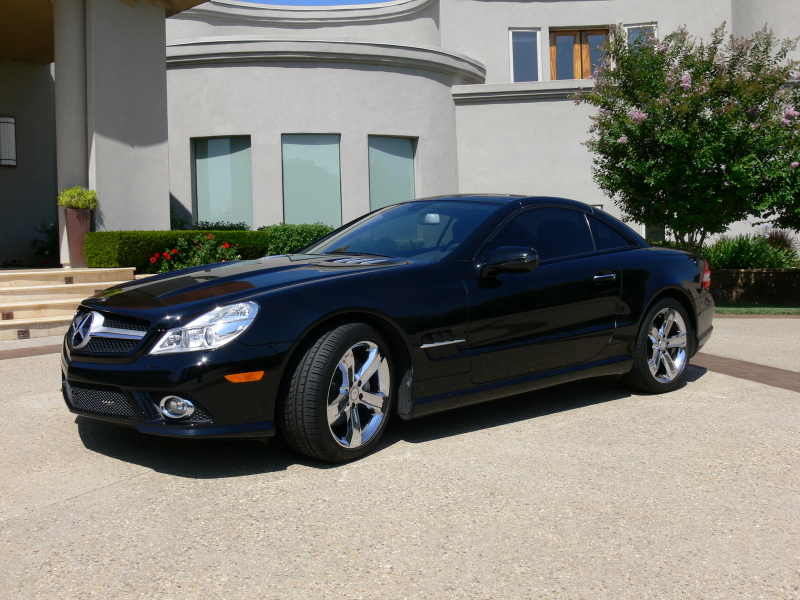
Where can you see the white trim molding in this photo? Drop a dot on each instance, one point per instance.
(253, 50)
(244, 12)
(529, 91)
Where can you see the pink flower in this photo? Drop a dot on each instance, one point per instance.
(726, 184)
(686, 81)
(794, 165)
(785, 122)
(754, 126)
(663, 47)
(638, 116)
(623, 139)
(791, 113)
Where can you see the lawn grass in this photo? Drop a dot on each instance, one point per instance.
(724, 308)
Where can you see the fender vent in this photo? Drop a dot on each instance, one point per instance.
(441, 344)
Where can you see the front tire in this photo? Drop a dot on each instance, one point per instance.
(339, 398)
(662, 348)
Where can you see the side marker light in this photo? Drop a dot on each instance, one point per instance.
(245, 377)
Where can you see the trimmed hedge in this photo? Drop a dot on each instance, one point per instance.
(106, 249)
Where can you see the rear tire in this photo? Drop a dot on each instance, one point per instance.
(339, 398)
(662, 347)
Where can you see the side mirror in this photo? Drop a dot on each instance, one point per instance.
(510, 259)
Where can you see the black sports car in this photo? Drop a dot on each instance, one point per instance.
(413, 309)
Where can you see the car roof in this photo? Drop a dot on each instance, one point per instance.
(508, 198)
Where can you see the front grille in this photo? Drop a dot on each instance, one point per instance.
(99, 400)
(123, 322)
(199, 415)
(98, 345)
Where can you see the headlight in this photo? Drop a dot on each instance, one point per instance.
(210, 331)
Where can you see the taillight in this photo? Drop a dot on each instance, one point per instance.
(706, 276)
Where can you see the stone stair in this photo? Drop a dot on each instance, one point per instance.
(42, 302)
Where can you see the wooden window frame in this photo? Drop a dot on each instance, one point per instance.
(581, 57)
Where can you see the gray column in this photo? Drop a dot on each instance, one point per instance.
(72, 155)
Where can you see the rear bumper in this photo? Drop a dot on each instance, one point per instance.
(705, 319)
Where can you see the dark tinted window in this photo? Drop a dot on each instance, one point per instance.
(552, 232)
(423, 229)
(606, 238)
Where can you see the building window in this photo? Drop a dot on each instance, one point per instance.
(575, 54)
(524, 46)
(8, 142)
(223, 179)
(312, 190)
(640, 30)
(391, 170)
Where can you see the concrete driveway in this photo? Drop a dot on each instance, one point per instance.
(579, 491)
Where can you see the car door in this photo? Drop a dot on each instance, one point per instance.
(560, 314)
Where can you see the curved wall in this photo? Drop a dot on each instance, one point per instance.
(265, 88)
(406, 21)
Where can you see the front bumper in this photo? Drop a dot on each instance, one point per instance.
(128, 392)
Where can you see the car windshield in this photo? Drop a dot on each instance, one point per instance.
(429, 230)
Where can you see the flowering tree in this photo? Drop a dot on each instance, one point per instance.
(697, 136)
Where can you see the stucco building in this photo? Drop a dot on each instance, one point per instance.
(272, 113)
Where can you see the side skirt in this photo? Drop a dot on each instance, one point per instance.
(617, 365)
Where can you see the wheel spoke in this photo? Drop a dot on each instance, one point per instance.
(353, 435)
(669, 319)
(369, 367)
(376, 402)
(655, 363)
(654, 335)
(335, 407)
(677, 341)
(347, 366)
(669, 365)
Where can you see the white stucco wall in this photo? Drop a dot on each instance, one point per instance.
(782, 16)
(480, 28)
(353, 100)
(127, 114)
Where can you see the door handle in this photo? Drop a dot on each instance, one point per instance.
(605, 277)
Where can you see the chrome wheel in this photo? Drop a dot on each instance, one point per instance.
(359, 395)
(666, 355)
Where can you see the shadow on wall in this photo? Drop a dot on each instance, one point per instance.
(211, 459)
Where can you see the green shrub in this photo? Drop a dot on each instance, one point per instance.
(748, 252)
(193, 251)
(220, 226)
(286, 238)
(78, 197)
(136, 248)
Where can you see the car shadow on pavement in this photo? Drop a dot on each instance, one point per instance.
(214, 459)
(522, 407)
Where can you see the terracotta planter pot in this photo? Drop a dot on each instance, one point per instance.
(78, 222)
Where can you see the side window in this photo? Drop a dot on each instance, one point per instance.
(606, 238)
(552, 232)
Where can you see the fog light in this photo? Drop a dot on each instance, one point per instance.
(176, 408)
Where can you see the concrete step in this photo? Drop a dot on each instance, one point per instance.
(34, 327)
(28, 294)
(40, 308)
(14, 278)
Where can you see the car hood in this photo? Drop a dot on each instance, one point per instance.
(189, 292)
